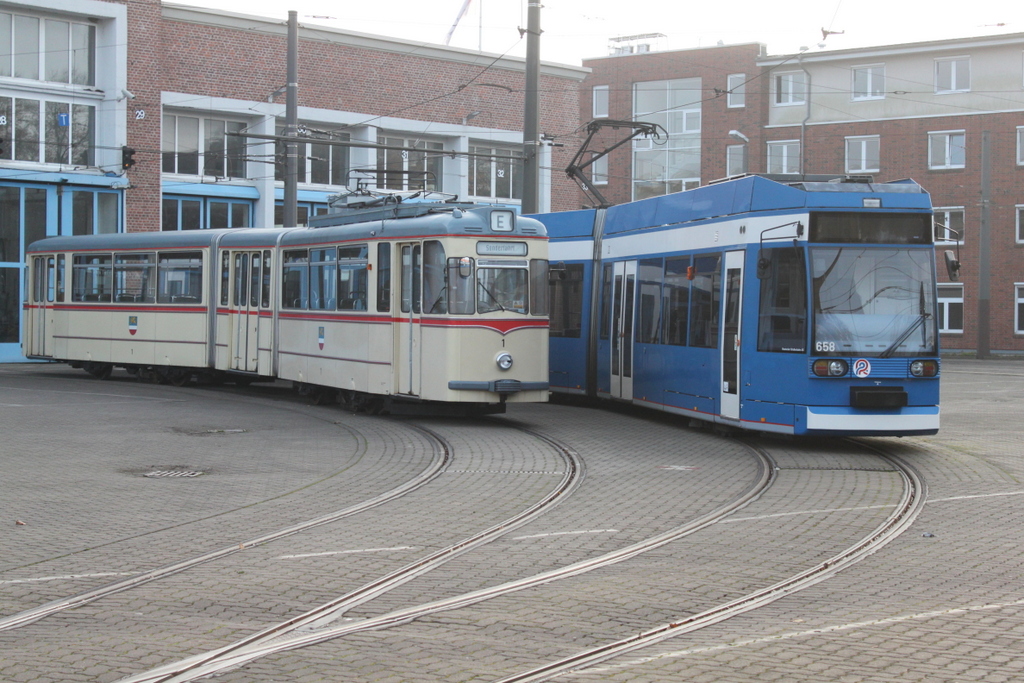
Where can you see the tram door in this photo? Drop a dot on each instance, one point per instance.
(732, 300)
(408, 348)
(246, 279)
(44, 292)
(623, 307)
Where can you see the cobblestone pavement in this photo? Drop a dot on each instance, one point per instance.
(943, 602)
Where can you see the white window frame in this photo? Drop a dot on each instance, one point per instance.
(874, 91)
(735, 160)
(1018, 308)
(859, 144)
(944, 220)
(787, 157)
(949, 135)
(1019, 211)
(736, 91)
(1020, 145)
(786, 90)
(943, 303)
(605, 99)
(956, 84)
(599, 171)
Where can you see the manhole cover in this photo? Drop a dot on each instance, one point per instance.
(173, 473)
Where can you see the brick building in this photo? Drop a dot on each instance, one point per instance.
(81, 79)
(947, 114)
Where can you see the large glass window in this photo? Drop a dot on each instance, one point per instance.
(295, 279)
(323, 287)
(790, 88)
(873, 301)
(383, 278)
(435, 292)
(869, 82)
(953, 75)
(92, 277)
(674, 163)
(319, 163)
(705, 295)
(135, 278)
(782, 314)
(502, 286)
(200, 146)
(495, 173)
(676, 300)
(784, 156)
(419, 168)
(180, 277)
(352, 277)
(863, 154)
(51, 50)
(947, 149)
(648, 327)
(567, 301)
(54, 132)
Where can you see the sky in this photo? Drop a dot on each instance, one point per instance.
(577, 29)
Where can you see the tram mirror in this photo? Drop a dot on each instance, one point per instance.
(764, 265)
(465, 267)
(952, 266)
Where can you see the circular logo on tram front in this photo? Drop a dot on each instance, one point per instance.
(861, 367)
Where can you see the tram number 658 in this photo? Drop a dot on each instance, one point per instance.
(826, 347)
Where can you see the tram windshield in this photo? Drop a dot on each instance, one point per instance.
(501, 287)
(873, 301)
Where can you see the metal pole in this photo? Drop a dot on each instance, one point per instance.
(531, 115)
(985, 249)
(291, 125)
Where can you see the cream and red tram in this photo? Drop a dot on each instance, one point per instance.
(445, 304)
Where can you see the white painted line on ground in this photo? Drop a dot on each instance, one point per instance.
(345, 552)
(568, 533)
(980, 495)
(804, 512)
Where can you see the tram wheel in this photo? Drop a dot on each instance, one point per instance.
(179, 377)
(99, 370)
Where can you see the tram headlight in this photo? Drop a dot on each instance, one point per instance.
(504, 360)
(824, 367)
(924, 368)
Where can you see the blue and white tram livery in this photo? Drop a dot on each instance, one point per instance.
(393, 308)
(800, 308)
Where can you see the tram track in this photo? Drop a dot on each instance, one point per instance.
(289, 635)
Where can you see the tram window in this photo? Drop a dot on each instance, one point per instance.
(871, 227)
(352, 277)
(295, 279)
(606, 301)
(383, 278)
(435, 294)
(51, 279)
(567, 302)
(502, 286)
(60, 277)
(539, 291)
(92, 277)
(782, 312)
(38, 275)
(180, 277)
(411, 279)
(323, 288)
(648, 328)
(460, 286)
(676, 301)
(265, 288)
(255, 276)
(225, 277)
(134, 278)
(705, 294)
(241, 279)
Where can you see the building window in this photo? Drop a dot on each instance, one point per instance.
(951, 308)
(784, 156)
(736, 94)
(674, 164)
(51, 50)
(228, 213)
(599, 170)
(47, 131)
(319, 163)
(947, 149)
(420, 168)
(1020, 146)
(1018, 309)
(735, 160)
(303, 211)
(600, 101)
(790, 88)
(862, 154)
(1020, 222)
(196, 146)
(949, 224)
(495, 173)
(180, 213)
(953, 75)
(869, 82)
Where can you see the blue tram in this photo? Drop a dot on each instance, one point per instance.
(792, 307)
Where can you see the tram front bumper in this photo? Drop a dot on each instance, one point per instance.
(499, 386)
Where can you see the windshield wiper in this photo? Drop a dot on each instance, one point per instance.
(903, 337)
(490, 294)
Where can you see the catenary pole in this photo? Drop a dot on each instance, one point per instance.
(531, 115)
(291, 125)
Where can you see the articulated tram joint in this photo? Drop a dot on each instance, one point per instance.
(499, 386)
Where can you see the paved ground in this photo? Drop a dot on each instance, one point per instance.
(944, 602)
